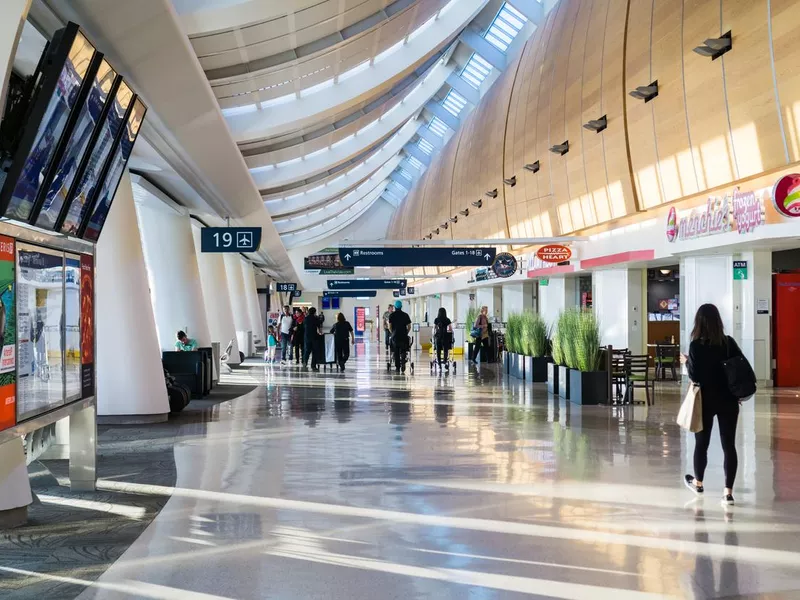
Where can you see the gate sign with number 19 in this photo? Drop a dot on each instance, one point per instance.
(230, 239)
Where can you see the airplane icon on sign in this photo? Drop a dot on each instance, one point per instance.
(244, 240)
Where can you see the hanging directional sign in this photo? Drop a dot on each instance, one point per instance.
(230, 239)
(349, 293)
(417, 257)
(297, 293)
(410, 290)
(286, 287)
(366, 284)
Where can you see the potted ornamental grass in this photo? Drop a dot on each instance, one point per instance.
(534, 347)
(514, 346)
(588, 382)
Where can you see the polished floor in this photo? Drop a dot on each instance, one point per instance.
(370, 485)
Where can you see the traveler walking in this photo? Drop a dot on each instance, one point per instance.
(387, 331)
(272, 344)
(299, 332)
(399, 327)
(443, 337)
(312, 339)
(342, 336)
(482, 341)
(286, 326)
(709, 348)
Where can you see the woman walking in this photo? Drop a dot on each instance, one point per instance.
(709, 348)
(482, 323)
(342, 336)
(443, 336)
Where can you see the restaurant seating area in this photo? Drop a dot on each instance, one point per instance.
(630, 372)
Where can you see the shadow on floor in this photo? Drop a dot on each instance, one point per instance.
(72, 538)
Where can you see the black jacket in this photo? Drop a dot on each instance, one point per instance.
(705, 368)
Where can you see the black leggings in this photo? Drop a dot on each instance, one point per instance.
(727, 413)
(442, 349)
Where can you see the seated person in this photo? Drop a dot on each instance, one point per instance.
(184, 343)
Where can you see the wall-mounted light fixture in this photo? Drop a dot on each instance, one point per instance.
(429, 236)
(665, 272)
(436, 231)
(715, 47)
(532, 167)
(492, 193)
(512, 181)
(464, 213)
(560, 149)
(445, 225)
(645, 92)
(597, 125)
(478, 204)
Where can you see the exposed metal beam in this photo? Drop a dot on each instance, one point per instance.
(532, 9)
(441, 112)
(400, 180)
(413, 150)
(425, 132)
(469, 93)
(488, 52)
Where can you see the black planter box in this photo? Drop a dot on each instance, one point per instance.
(527, 367)
(536, 368)
(507, 362)
(589, 387)
(552, 378)
(564, 381)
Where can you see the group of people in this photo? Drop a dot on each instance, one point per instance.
(299, 332)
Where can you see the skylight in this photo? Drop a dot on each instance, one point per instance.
(454, 103)
(476, 70)
(415, 162)
(425, 146)
(505, 27)
(437, 126)
(405, 174)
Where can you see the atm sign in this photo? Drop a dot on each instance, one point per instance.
(554, 253)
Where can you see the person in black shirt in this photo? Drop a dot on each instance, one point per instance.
(443, 336)
(311, 342)
(400, 326)
(707, 351)
(342, 334)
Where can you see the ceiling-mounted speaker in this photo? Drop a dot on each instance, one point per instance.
(512, 181)
(645, 92)
(454, 219)
(715, 47)
(478, 203)
(464, 213)
(532, 167)
(492, 193)
(560, 149)
(597, 125)
(445, 225)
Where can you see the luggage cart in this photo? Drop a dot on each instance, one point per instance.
(406, 358)
(329, 351)
(435, 366)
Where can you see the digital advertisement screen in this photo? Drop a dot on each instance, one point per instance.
(79, 202)
(109, 187)
(77, 146)
(51, 129)
(72, 326)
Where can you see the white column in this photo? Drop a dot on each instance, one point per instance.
(707, 279)
(130, 378)
(12, 18)
(517, 298)
(251, 297)
(241, 316)
(15, 488)
(219, 313)
(557, 295)
(176, 290)
(617, 304)
(462, 306)
(755, 330)
(449, 304)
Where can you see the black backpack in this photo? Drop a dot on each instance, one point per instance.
(740, 375)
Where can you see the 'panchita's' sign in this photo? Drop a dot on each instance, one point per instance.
(743, 211)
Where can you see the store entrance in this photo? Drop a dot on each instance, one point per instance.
(663, 307)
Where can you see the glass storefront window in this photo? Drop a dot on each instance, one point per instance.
(40, 327)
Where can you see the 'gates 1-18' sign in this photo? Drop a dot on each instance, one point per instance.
(743, 211)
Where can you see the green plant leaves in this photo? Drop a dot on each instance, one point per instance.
(527, 333)
(576, 342)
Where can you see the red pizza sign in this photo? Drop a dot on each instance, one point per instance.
(554, 253)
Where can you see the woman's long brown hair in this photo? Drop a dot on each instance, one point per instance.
(708, 326)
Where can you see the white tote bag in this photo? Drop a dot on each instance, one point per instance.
(690, 416)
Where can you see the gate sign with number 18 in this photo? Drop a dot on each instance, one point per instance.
(230, 239)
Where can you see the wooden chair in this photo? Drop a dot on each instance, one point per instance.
(638, 375)
(619, 372)
(666, 358)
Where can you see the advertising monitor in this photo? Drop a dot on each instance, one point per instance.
(63, 76)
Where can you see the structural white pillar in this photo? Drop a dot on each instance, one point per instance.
(241, 316)
(617, 304)
(219, 312)
(517, 298)
(707, 279)
(251, 297)
(174, 275)
(491, 297)
(557, 295)
(449, 304)
(755, 294)
(130, 378)
(15, 488)
(12, 18)
(462, 306)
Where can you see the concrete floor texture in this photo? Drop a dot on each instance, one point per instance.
(468, 485)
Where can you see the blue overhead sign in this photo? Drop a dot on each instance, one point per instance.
(230, 239)
(349, 293)
(366, 284)
(417, 257)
